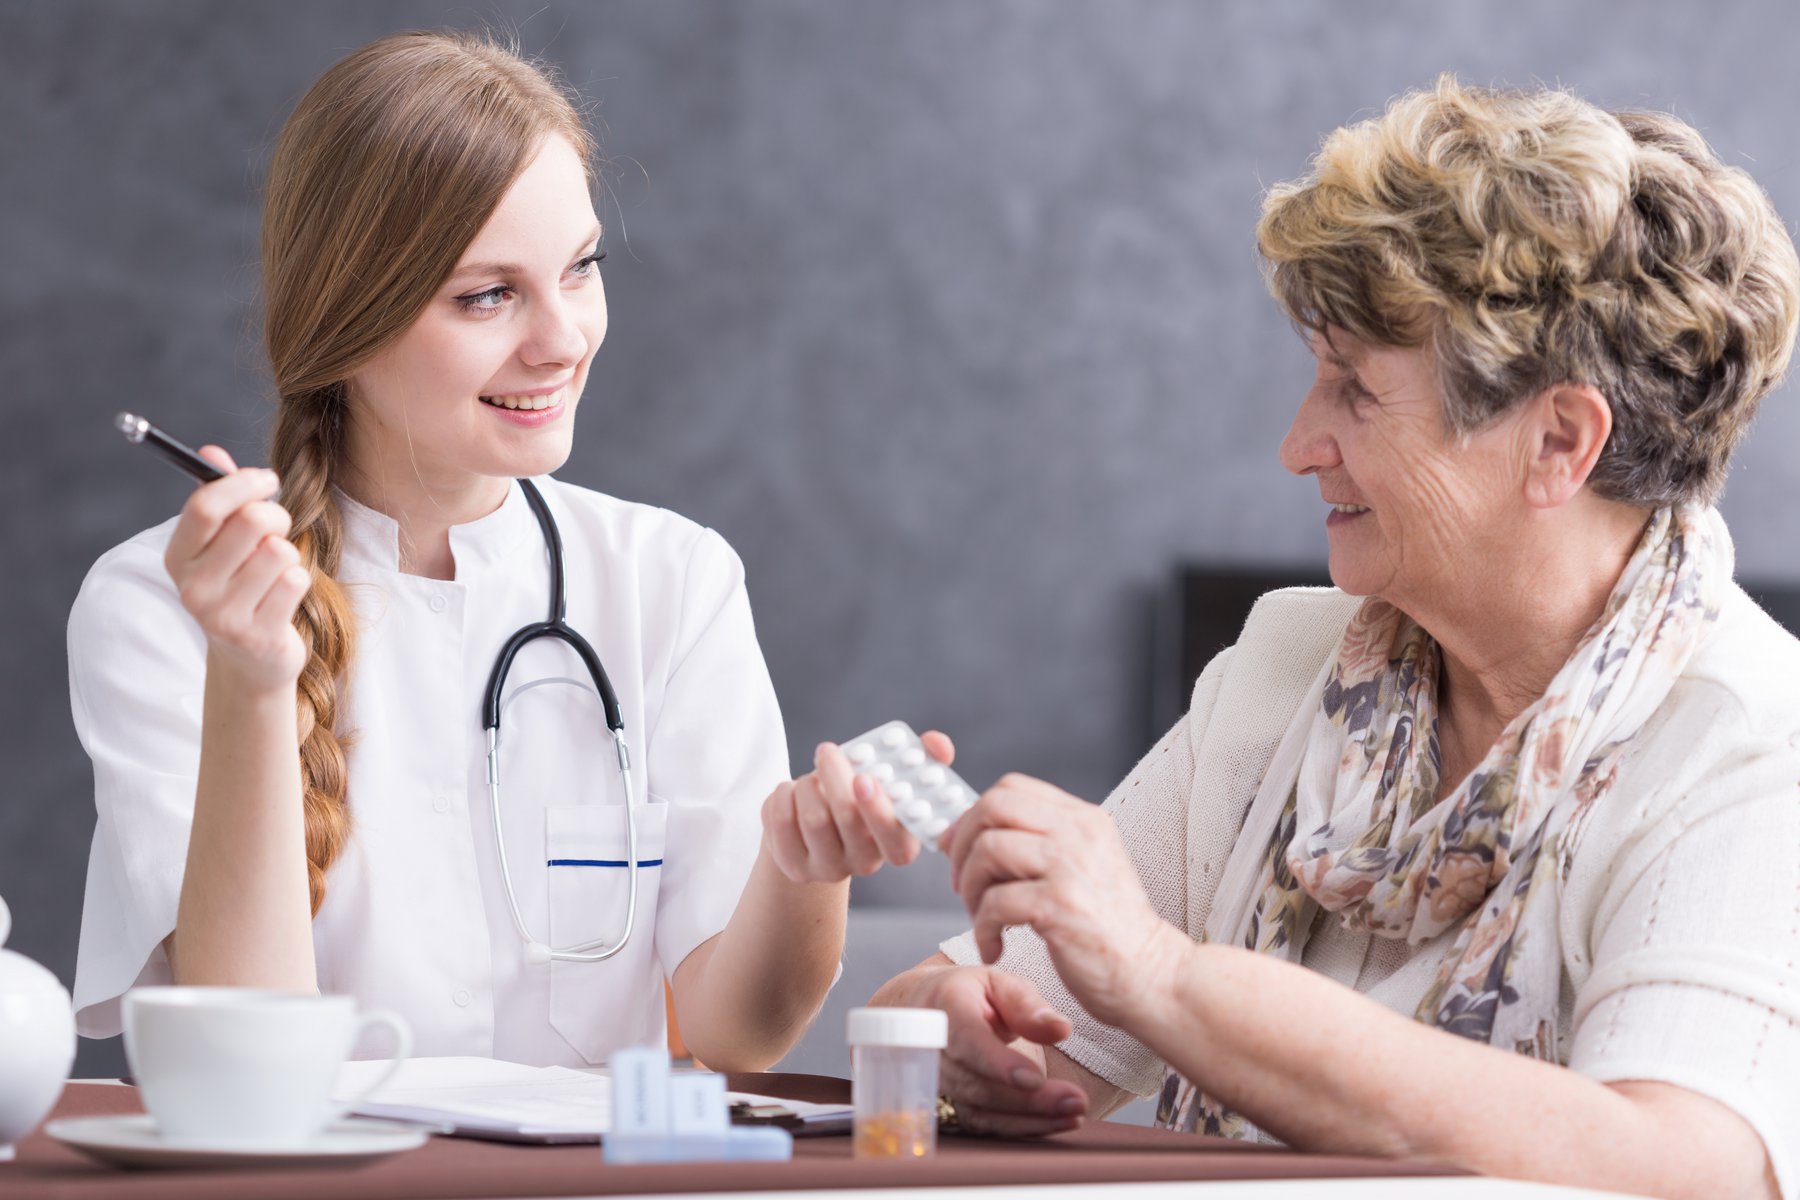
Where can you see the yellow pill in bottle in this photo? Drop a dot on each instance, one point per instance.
(896, 1135)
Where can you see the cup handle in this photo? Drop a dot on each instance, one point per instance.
(396, 1024)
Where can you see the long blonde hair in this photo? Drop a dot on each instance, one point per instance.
(383, 175)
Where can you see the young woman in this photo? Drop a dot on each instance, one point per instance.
(284, 690)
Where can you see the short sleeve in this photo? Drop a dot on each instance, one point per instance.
(1696, 978)
(137, 672)
(1150, 810)
(716, 752)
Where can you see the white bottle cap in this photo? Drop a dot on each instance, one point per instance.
(914, 1028)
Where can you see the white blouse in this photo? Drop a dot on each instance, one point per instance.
(414, 917)
(1680, 917)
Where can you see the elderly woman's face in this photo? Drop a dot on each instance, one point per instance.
(1413, 504)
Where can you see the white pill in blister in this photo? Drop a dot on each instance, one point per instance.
(927, 795)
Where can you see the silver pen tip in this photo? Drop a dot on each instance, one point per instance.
(131, 426)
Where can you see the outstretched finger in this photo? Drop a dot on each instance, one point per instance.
(939, 746)
(978, 1040)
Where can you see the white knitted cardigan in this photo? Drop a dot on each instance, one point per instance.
(1680, 915)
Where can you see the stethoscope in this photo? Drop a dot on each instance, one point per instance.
(537, 952)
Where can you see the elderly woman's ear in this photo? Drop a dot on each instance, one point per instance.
(1562, 432)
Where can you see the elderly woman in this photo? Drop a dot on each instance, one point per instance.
(1490, 855)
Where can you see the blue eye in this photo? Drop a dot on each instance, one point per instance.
(486, 301)
(491, 300)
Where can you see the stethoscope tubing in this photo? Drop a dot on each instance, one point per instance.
(599, 949)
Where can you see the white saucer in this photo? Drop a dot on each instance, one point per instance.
(132, 1141)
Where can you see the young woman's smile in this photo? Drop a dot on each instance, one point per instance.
(532, 408)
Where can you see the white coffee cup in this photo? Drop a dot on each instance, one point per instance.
(245, 1066)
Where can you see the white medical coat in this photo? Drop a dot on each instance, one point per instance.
(414, 916)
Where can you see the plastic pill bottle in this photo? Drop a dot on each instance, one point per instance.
(894, 1065)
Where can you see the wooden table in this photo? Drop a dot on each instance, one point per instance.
(473, 1170)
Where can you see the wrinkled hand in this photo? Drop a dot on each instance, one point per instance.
(996, 1089)
(832, 823)
(239, 575)
(1031, 854)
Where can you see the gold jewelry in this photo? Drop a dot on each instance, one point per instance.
(949, 1120)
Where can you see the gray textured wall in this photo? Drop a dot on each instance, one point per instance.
(945, 314)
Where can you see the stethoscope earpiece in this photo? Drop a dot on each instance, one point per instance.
(536, 953)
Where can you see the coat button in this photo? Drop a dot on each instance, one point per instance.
(439, 604)
(440, 804)
(461, 997)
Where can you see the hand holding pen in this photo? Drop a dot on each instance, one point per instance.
(230, 558)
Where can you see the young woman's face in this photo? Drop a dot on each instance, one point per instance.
(485, 382)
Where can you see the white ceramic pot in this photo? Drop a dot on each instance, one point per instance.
(37, 1041)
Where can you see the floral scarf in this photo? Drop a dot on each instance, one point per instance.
(1362, 836)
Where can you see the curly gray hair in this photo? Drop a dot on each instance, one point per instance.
(1530, 238)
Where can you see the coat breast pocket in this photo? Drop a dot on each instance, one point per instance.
(598, 1007)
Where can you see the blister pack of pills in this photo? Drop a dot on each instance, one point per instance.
(927, 795)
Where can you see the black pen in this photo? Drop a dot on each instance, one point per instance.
(136, 429)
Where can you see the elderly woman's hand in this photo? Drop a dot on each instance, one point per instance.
(1031, 854)
(996, 1088)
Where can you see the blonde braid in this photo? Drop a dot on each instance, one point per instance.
(302, 450)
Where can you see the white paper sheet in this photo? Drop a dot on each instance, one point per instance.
(482, 1097)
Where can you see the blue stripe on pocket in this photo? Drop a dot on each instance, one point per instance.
(602, 862)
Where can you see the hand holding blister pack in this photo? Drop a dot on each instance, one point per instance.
(927, 795)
